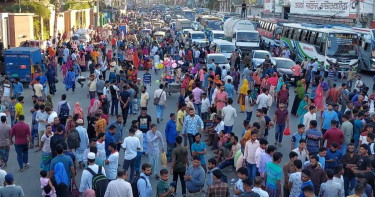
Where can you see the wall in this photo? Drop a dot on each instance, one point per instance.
(4, 29)
(20, 24)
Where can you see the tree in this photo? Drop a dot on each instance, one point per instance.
(57, 5)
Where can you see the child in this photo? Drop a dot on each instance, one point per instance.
(46, 185)
(238, 186)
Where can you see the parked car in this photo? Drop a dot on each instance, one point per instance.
(218, 59)
(283, 66)
(258, 57)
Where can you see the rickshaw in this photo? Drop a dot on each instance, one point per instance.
(159, 36)
(168, 78)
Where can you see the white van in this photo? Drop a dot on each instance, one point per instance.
(197, 37)
(224, 47)
(216, 35)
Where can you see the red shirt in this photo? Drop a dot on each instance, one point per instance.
(334, 135)
(20, 131)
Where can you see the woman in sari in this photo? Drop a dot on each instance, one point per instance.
(280, 83)
(303, 108)
(78, 110)
(60, 180)
(217, 80)
(94, 107)
(319, 99)
(300, 93)
(243, 92)
(265, 84)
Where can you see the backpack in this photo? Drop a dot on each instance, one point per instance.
(99, 182)
(134, 182)
(64, 111)
(73, 139)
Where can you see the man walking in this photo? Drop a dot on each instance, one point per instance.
(153, 138)
(4, 141)
(63, 109)
(229, 114)
(281, 119)
(131, 145)
(160, 100)
(84, 142)
(179, 163)
(21, 132)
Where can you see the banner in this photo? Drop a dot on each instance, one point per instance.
(340, 8)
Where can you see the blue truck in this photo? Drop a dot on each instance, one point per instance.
(19, 62)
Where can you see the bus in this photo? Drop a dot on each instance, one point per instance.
(325, 43)
(366, 48)
(208, 22)
(189, 14)
(270, 30)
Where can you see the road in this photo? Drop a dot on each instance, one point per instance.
(29, 179)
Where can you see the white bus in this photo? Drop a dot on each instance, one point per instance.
(366, 49)
(325, 43)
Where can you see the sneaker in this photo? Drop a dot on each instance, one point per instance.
(279, 144)
(157, 120)
(275, 143)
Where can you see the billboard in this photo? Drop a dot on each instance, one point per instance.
(340, 8)
(268, 6)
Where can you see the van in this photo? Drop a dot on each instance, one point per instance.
(224, 47)
(197, 37)
(216, 35)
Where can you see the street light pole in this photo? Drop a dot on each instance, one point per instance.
(98, 14)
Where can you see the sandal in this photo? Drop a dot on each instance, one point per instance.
(20, 170)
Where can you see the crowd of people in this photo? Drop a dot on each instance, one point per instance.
(331, 150)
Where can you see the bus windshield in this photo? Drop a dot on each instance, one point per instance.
(227, 48)
(190, 15)
(198, 36)
(247, 37)
(213, 25)
(342, 45)
(219, 36)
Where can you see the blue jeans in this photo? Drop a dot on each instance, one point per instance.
(131, 107)
(348, 181)
(248, 115)
(228, 129)
(344, 148)
(279, 132)
(114, 106)
(159, 111)
(191, 140)
(197, 108)
(356, 141)
(130, 163)
(12, 118)
(22, 151)
(138, 162)
(251, 171)
(226, 163)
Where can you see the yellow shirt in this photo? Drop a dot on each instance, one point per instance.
(19, 109)
(191, 85)
(180, 115)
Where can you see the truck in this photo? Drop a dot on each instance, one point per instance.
(182, 24)
(20, 61)
(242, 33)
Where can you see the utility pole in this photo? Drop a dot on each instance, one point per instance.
(357, 9)
(98, 14)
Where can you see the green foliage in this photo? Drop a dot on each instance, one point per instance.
(71, 5)
(30, 7)
(37, 31)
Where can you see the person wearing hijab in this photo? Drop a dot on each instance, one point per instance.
(78, 110)
(303, 108)
(319, 99)
(61, 180)
(280, 83)
(70, 80)
(93, 108)
(300, 94)
(243, 92)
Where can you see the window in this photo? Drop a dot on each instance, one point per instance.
(285, 31)
(303, 35)
(297, 34)
(307, 38)
(273, 27)
(261, 24)
(291, 32)
(312, 38)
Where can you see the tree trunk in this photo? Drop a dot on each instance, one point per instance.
(57, 11)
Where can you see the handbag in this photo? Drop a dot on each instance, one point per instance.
(156, 100)
(287, 131)
(74, 189)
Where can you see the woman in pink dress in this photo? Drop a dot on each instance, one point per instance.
(319, 99)
(78, 110)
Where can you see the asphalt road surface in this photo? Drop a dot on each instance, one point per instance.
(29, 179)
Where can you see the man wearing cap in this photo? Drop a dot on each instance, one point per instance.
(86, 179)
(84, 142)
(11, 189)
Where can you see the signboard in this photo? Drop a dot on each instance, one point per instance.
(268, 6)
(340, 8)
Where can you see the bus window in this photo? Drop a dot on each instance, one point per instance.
(308, 36)
(291, 33)
(312, 39)
(285, 32)
(296, 34)
(303, 35)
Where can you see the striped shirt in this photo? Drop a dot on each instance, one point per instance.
(147, 78)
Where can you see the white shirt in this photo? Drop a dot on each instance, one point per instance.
(248, 101)
(144, 99)
(131, 144)
(205, 105)
(261, 192)
(118, 188)
(307, 118)
(51, 117)
(269, 100)
(258, 155)
(86, 179)
(262, 101)
(163, 97)
(139, 135)
(196, 53)
(6, 89)
(228, 77)
(111, 168)
(301, 154)
(107, 93)
(341, 182)
(229, 114)
(219, 127)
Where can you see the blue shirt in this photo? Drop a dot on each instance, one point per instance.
(332, 155)
(322, 161)
(199, 148)
(328, 116)
(17, 88)
(197, 178)
(355, 98)
(147, 78)
(109, 138)
(357, 126)
(118, 134)
(35, 123)
(191, 124)
(297, 137)
(171, 132)
(144, 186)
(229, 88)
(210, 180)
(313, 138)
(43, 80)
(307, 183)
